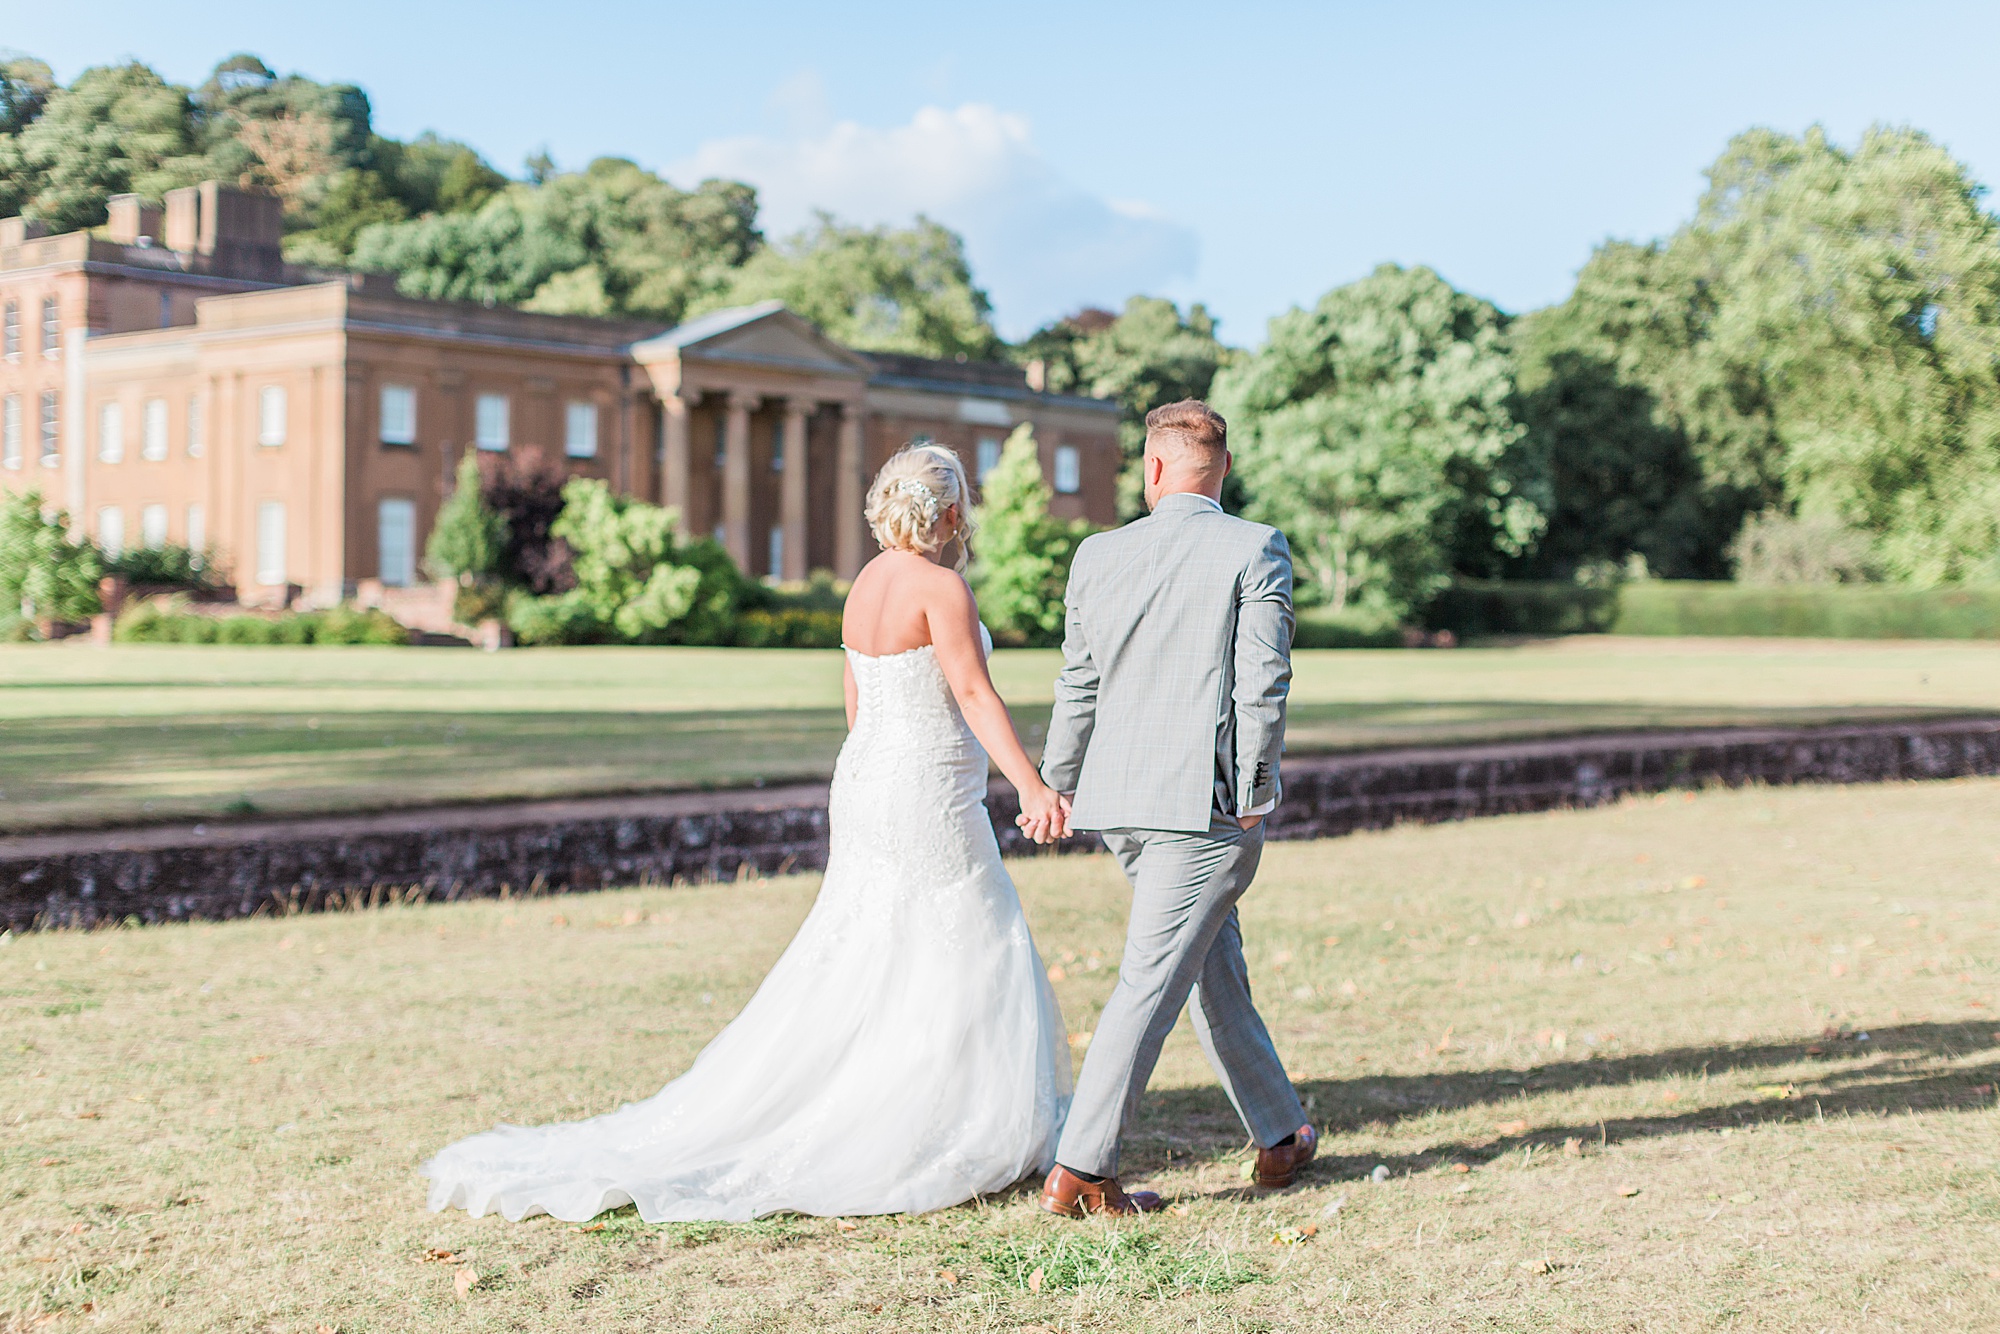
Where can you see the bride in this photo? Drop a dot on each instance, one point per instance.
(905, 1053)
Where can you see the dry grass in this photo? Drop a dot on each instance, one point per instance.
(97, 737)
(215, 1127)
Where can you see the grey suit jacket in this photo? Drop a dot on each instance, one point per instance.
(1177, 657)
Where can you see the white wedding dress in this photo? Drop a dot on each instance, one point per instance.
(904, 1054)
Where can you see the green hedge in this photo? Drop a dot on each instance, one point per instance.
(1319, 627)
(338, 625)
(1476, 608)
(1832, 611)
(788, 627)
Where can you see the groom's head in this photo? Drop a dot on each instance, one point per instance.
(1187, 449)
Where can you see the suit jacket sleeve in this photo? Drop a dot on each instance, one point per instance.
(1075, 715)
(1263, 672)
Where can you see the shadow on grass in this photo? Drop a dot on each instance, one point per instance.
(1891, 1074)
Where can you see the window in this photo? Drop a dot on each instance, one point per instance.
(51, 430)
(197, 528)
(166, 309)
(271, 543)
(10, 431)
(1069, 470)
(777, 566)
(271, 417)
(10, 332)
(777, 452)
(490, 421)
(580, 430)
(396, 542)
(111, 433)
(51, 328)
(194, 427)
(399, 415)
(153, 527)
(988, 456)
(153, 431)
(721, 444)
(111, 531)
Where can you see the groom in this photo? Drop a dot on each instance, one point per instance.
(1169, 720)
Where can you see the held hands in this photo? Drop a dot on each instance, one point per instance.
(1044, 814)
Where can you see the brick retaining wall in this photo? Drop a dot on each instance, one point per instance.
(233, 870)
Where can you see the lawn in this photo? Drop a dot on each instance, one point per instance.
(1722, 1060)
(95, 736)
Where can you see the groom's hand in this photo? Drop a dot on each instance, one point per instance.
(1064, 800)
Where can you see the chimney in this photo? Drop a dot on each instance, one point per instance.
(1038, 375)
(20, 231)
(132, 222)
(183, 218)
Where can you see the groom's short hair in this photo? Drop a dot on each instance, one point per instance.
(1192, 425)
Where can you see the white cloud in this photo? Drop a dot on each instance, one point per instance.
(1040, 244)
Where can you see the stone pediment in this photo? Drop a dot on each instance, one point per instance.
(765, 334)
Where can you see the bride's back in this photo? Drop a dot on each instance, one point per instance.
(888, 609)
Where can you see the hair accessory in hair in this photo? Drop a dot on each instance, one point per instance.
(923, 495)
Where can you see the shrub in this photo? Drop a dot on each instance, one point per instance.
(155, 623)
(1021, 567)
(1837, 611)
(1475, 608)
(171, 565)
(43, 574)
(1778, 548)
(788, 627)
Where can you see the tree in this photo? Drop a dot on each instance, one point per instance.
(469, 540)
(634, 581)
(885, 289)
(43, 572)
(613, 239)
(1021, 562)
(1376, 431)
(116, 129)
(1147, 356)
(1820, 339)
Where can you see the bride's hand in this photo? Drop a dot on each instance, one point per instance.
(1041, 816)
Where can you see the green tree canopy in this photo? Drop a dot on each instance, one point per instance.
(1021, 554)
(613, 239)
(886, 289)
(1820, 338)
(1148, 355)
(43, 573)
(1376, 431)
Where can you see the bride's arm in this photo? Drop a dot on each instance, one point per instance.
(954, 624)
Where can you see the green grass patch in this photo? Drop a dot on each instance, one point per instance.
(1134, 1261)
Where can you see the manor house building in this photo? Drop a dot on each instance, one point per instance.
(169, 378)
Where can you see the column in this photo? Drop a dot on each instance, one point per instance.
(792, 498)
(850, 552)
(677, 476)
(736, 479)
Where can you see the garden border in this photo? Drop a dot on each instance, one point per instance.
(222, 870)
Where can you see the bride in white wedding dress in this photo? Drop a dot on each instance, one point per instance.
(905, 1053)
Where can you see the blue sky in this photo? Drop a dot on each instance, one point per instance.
(1249, 155)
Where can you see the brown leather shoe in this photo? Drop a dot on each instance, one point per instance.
(1070, 1195)
(1277, 1167)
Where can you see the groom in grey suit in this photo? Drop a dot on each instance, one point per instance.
(1168, 725)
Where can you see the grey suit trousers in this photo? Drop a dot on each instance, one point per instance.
(1183, 943)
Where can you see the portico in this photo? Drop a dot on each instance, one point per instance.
(783, 406)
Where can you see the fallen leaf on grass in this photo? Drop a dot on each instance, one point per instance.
(1628, 1191)
(1460, 1167)
(326, 1329)
(1670, 1096)
(1294, 1236)
(1178, 1210)
(594, 1227)
(1512, 1127)
(1572, 1147)
(463, 1284)
(443, 1257)
(88, 1116)
(1035, 1281)
(48, 1162)
(1776, 1092)
(846, 1224)
(1693, 881)
(1536, 1266)
(949, 1279)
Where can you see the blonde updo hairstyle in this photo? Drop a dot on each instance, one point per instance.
(908, 499)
